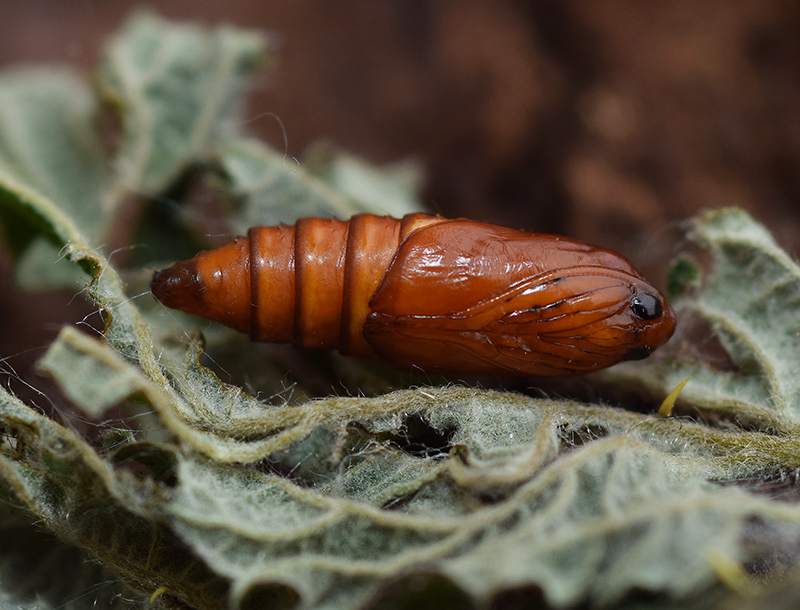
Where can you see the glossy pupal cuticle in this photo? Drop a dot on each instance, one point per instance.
(428, 293)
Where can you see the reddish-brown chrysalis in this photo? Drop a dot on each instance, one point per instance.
(427, 293)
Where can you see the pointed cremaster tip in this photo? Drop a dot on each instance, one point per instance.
(181, 287)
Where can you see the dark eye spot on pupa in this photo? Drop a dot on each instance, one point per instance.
(645, 306)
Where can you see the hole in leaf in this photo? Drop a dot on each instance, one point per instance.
(421, 591)
(273, 595)
(420, 439)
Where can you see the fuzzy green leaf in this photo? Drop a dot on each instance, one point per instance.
(179, 90)
(272, 188)
(393, 189)
(750, 298)
(49, 152)
(48, 144)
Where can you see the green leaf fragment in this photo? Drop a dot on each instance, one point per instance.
(43, 266)
(631, 509)
(49, 146)
(91, 507)
(179, 90)
(92, 376)
(607, 518)
(391, 190)
(53, 174)
(272, 188)
(749, 297)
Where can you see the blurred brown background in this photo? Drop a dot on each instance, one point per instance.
(608, 120)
